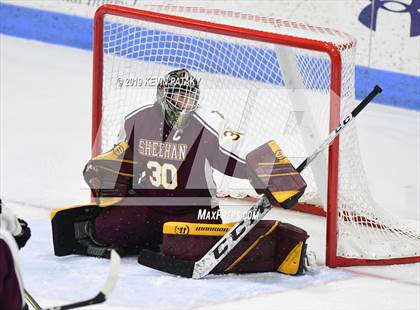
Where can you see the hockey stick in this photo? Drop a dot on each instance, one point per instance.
(30, 300)
(101, 297)
(205, 265)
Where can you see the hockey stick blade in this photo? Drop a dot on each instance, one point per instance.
(167, 264)
(222, 248)
(101, 297)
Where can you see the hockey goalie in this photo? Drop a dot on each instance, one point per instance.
(151, 187)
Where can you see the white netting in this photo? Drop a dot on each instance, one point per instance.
(264, 90)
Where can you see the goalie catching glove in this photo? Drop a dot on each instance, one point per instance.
(110, 175)
(17, 227)
(272, 174)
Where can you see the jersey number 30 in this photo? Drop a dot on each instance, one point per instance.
(163, 175)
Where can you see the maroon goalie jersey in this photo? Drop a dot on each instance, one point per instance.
(174, 168)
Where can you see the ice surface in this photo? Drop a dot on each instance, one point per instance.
(75, 277)
(45, 141)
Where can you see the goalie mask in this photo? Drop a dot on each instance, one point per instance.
(178, 95)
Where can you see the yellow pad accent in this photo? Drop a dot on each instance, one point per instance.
(196, 229)
(55, 211)
(280, 157)
(277, 174)
(116, 171)
(253, 245)
(268, 164)
(116, 153)
(291, 263)
(108, 201)
(283, 195)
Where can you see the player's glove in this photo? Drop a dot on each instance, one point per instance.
(24, 236)
(109, 175)
(272, 174)
(18, 228)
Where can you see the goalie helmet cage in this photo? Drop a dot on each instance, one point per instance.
(271, 79)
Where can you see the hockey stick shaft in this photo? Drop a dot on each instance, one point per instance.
(223, 247)
(263, 206)
(99, 298)
(376, 90)
(30, 300)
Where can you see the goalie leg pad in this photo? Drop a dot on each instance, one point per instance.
(136, 227)
(269, 246)
(67, 227)
(129, 227)
(74, 233)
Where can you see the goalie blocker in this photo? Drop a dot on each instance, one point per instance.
(272, 174)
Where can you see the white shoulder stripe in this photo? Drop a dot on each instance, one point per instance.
(230, 154)
(211, 129)
(214, 132)
(137, 110)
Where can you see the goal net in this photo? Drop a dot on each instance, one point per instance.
(270, 79)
